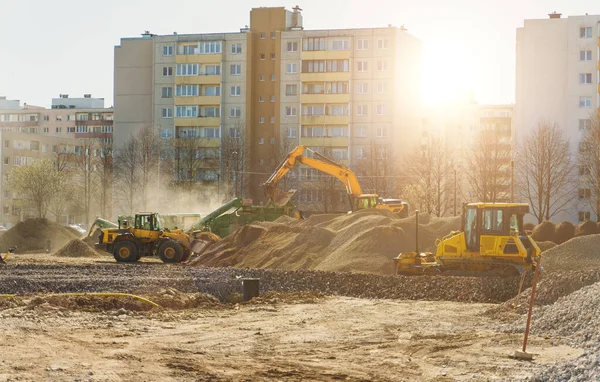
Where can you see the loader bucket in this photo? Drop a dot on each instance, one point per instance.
(202, 241)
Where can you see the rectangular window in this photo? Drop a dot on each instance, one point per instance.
(187, 112)
(235, 132)
(291, 90)
(382, 87)
(188, 49)
(235, 112)
(210, 47)
(70, 129)
(381, 109)
(273, 57)
(382, 44)
(235, 91)
(167, 112)
(584, 193)
(361, 153)
(313, 132)
(584, 216)
(340, 45)
(273, 35)
(339, 154)
(271, 119)
(262, 56)
(210, 112)
(313, 110)
(337, 109)
(362, 44)
(585, 102)
(585, 78)
(292, 46)
(263, 35)
(35, 146)
(361, 132)
(6, 143)
(261, 77)
(6, 160)
(212, 70)
(362, 88)
(261, 141)
(272, 77)
(338, 131)
(236, 48)
(382, 132)
(261, 119)
(585, 32)
(167, 92)
(316, 43)
(211, 90)
(585, 124)
(382, 66)
(167, 71)
(362, 109)
(59, 130)
(187, 69)
(272, 98)
(168, 50)
(46, 130)
(187, 90)
(585, 55)
(290, 111)
(362, 66)
(292, 132)
(261, 99)
(235, 69)
(291, 68)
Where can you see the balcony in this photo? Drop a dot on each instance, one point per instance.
(325, 98)
(198, 80)
(325, 54)
(324, 120)
(198, 100)
(327, 76)
(325, 141)
(198, 122)
(198, 58)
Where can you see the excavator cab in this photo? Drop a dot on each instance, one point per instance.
(363, 201)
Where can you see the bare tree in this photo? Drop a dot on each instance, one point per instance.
(234, 159)
(545, 171)
(64, 164)
(378, 172)
(281, 149)
(149, 157)
(104, 167)
(589, 164)
(126, 180)
(488, 165)
(85, 174)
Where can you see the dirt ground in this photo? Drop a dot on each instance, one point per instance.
(331, 338)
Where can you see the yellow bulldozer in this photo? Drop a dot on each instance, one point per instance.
(357, 199)
(492, 241)
(147, 238)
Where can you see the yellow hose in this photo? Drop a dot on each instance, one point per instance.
(97, 294)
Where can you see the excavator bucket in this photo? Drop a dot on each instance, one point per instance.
(202, 241)
(278, 197)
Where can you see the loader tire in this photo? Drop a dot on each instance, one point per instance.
(125, 252)
(170, 252)
(186, 255)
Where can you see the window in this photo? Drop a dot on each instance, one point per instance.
(322, 66)
(167, 92)
(212, 70)
(362, 88)
(339, 154)
(584, 216)
(382, 66)
(235, 132)
(272, 120)
(46, 118)
(317, 43)
(585, 102)
(584, 193)
(210, 47)
(210, 112)
(361, 132)
(187, 90)
(362, 44)
(382, 109)
(585, 78)
(585, 32)
(235, 69)
(340, 131)
(382, 153)
(187, 111)
(585, 55)
(59, 130)
(362, 109)
(211, 91)
(188, 49)
(167, 71)
(585, 124)
(291, 68)
(337, 109)
(361, 153)
(292, 46)
(272, 77)
(261, 77)
(382, 132)
(273, 56)
(263, 35)
(313, 110)
(261, 119)
(6, 160)
(236, 91)
(71, 129)
(382, 87)
(35, 146)
(262, 56)
(362, 66)
(273, 35)
(236, 48)
(168, 50)
(261, 99)
(382, 44)
(292, 132)
(290, 111)
(235, 112)
(261, 141)
(272, 98)
(340, 45)
(46, 130)
(6, 143)
(291, 90)
(187, 69)
(167, 112)
(313, 132)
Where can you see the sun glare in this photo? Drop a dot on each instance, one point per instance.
(448, 74)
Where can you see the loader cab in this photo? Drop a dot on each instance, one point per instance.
(147, 222)
(491, 219)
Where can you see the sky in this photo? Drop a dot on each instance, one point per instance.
(57, 47)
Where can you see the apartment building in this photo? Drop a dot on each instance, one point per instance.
(557, 81)
(343, 93)
(29, 132)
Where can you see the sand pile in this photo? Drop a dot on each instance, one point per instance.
(364, 241)
(31, 235)
(76, 248)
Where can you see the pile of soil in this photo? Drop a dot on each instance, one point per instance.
(365, 241)
(93, 238)
(544, 231)
(76, 248)
(32, 234)
(586, 228)
(564, 231)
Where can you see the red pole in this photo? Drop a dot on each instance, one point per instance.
(535, 278)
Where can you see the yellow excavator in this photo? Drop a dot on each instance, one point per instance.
(358, 200)
(492, 242)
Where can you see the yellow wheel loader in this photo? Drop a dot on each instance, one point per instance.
(492, 241)
(147, 238)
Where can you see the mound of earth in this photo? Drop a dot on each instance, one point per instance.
(32, 234)
(76, 248)
(364, 241)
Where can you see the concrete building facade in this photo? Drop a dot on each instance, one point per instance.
(340, 92)
(557, 82)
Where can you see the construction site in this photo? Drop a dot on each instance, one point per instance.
(328, 304)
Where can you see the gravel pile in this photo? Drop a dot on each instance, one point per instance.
(146, 278)
(364, 241)
(77, 248)
(32, 234)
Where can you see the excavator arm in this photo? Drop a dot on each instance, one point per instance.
(322, 164)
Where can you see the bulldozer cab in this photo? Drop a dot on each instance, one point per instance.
(491, 219)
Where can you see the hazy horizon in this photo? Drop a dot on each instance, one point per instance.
(65, 47)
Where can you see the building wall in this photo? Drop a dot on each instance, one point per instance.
(87, 102)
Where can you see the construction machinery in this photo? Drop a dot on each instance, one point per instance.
(491, 241)
(147, 238)
(100, 223)
(357, 199)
